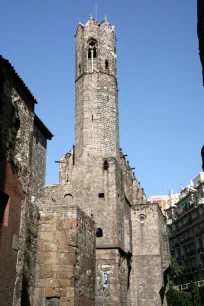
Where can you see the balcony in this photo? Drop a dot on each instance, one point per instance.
(188, 223)
(200, 250)
(187, 240)
(190, 270)
(201, 201)
(190, 254)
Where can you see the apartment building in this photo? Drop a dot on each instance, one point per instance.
(185, 226)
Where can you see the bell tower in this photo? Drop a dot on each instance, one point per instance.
(96, 100)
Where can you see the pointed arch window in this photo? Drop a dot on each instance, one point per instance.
(92, 50)
(105, 165)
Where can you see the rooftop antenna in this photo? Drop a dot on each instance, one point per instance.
(96, 11)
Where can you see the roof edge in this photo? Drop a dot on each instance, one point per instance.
(12, 70)
(38, 122)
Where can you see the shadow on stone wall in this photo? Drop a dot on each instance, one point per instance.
(25, 301)
(9, 126)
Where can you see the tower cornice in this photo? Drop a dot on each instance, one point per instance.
(98, 72)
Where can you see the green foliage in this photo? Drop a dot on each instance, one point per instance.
(176, 271)
(179, 298)
(183, 298)
(196, 295)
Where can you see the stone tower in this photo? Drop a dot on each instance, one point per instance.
(95, 174)
(96, 179)
(96, 112)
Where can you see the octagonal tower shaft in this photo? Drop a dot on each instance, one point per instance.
(96, 100)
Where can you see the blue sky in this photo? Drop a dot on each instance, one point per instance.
(161, 98)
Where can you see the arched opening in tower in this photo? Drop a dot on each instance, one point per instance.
(99, 232)
(92, 50)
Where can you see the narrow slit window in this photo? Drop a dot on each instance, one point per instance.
(89, 54)
(105, 165)
(106, 64)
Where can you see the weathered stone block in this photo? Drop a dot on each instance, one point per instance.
(66, 259)
(48, 258)
(64, 301)
(48, 292)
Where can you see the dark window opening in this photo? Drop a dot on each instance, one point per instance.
(92, 43)
(3, 202)
(106, 64)
(94, 52)
(101, 195)
(92, 49)
(99, 232)
(105, 165)
(92, 118)
(89, 54)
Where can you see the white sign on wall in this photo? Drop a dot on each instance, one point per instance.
(105, 279)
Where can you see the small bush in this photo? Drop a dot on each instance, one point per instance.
(179, 298)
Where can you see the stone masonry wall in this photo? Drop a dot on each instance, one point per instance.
(38, 163)
(65, 266)
(147, 260)
(29, 271)
(114, 264)
(94, 190)
(16, 127)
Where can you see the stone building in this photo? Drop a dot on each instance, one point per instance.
(131, 243)
(92, 239)
(186, 232)
(164, 200)
(200, 31)
(23, 140)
